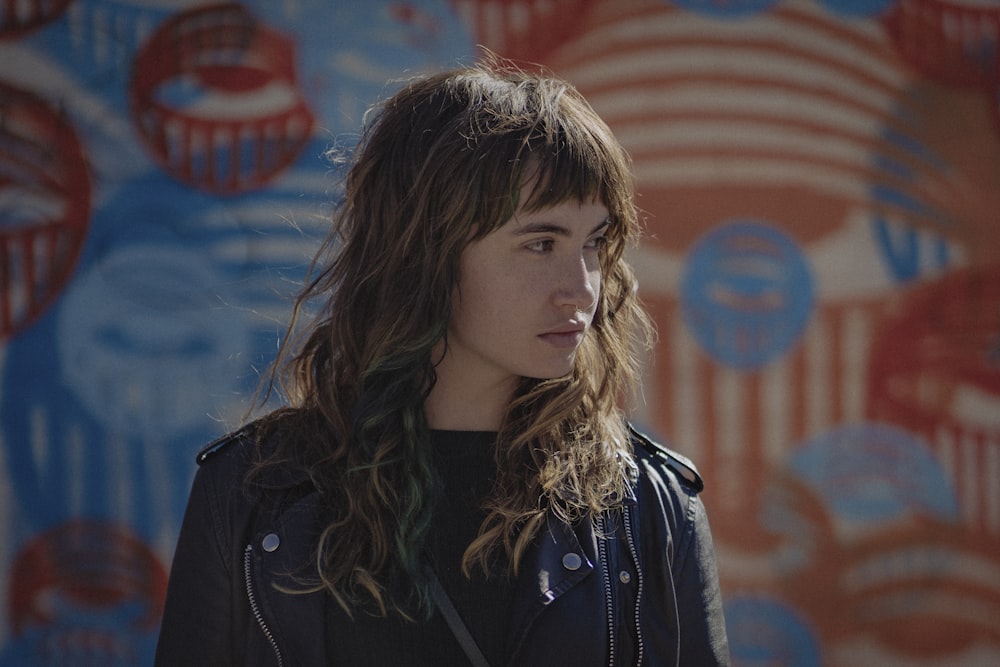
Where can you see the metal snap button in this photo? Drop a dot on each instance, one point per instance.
(624, 577)
(572, 561)
(270, 542)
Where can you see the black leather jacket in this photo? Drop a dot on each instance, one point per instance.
(649, 595)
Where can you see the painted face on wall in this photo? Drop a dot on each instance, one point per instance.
(526, 297)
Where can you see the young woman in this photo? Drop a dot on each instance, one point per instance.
(454, 480)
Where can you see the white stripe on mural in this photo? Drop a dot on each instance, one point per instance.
(776, 401)
(781, 105)
(120, 480)
(158, 470)
(741, 136)
(969, 488)
(944, 451)
(74, 466)
(685, 391)
(662, 172)
(732, 446)
(856, 341)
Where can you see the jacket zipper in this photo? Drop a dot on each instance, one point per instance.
(638, 581)
(247, 553)
(602, 555)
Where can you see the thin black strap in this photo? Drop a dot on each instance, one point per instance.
(455, 622)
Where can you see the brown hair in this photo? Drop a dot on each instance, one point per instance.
(442, 163)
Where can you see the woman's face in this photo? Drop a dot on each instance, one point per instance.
(525, 299)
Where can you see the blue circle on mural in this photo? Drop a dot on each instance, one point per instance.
(725, 8)
(870, 474)
(765, 631)
(746, 293)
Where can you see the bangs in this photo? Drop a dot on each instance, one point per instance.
(569, 154)
(497, 132)
(558, 177)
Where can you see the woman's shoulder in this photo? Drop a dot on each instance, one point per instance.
(657, 460)
(267, 439)
(667, 490)
(236, 442)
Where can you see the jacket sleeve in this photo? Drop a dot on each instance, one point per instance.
(198, 625)
(680, 562)
(703, 638)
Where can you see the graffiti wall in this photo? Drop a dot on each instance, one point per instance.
(820, 181)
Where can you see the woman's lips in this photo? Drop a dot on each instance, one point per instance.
(564, 339)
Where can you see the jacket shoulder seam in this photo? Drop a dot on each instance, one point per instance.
(222, 443)
(681, 465)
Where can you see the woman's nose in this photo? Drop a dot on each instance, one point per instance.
(579, 284)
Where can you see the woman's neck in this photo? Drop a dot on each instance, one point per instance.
(454, 407)
(461, 400)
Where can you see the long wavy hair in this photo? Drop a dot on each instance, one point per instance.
(440, 164)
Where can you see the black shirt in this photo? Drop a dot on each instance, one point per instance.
(466, 468)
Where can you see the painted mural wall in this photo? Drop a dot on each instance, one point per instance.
(821, 181)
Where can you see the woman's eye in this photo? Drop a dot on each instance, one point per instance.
(541, 245)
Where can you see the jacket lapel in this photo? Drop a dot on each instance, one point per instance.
(282, 559)
(556, 563)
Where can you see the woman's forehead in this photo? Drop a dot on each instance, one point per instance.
(542, 190)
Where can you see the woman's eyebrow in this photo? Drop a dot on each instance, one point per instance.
(553, 228)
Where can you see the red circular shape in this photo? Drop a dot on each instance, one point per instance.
(225, 51)
(97, 564)
(946, 337)
(31, 16)
(44, 167)
(906, 585)
(950, 42)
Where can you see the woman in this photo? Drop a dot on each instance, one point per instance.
(453, 480)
